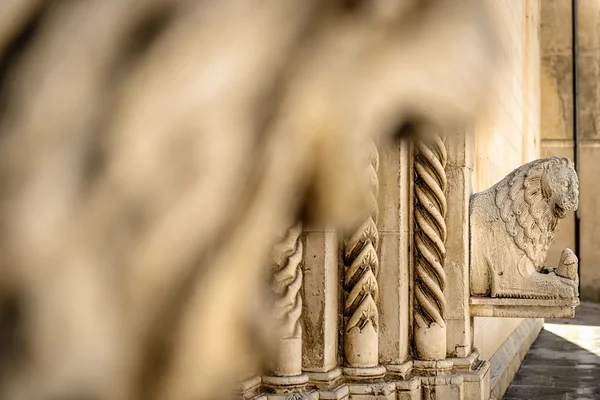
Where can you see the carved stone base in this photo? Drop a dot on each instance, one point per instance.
(303, 395)
(523, 308)
(451, 379)
(476, 382)
(432, 368)
(284, 384)
(465, 378)
(330, 384)
(372, 391)
(400, 370)
(359, 374)
(340, 392)
(288, 387)
(409, 390)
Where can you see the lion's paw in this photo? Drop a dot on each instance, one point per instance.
(567, 267)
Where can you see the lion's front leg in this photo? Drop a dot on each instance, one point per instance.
(559, 283)
(549, 286)
(527, 282)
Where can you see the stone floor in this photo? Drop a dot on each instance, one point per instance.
(564, 361)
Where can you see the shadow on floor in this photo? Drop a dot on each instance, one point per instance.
(564, 361)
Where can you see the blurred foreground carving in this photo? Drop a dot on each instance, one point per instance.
(151, 151)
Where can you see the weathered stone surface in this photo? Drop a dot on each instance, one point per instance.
(512, 226)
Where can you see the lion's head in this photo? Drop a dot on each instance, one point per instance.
(560, 186)
(533, 198)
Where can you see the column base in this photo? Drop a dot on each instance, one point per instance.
(360, 374)
(368, 384)
(372, 391)
(401, 371)
(453, 379)
(304, 395)
(432, 368)
(409, 389)
(465, 378)
(288, 387)
(285, 383)
(330, 384)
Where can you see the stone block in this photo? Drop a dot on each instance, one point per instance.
(409, 390)
(523, 308)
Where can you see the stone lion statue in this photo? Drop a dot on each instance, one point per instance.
(512, 226)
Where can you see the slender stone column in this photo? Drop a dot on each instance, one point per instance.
(320, 313)
(395, 218)
(458, 170)
(286, 370)
(361, 317)
(430, 250)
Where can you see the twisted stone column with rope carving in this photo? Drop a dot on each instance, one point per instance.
(430, 249)
(286, 370)
(360, 285)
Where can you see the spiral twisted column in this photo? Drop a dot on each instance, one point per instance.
(361, 262)
(286, 370)
(430, 249)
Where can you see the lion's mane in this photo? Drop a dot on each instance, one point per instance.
(525, 211)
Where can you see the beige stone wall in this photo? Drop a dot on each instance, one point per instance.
(508, 133)
(557, 123)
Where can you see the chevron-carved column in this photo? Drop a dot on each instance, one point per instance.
(285, 373)
(430, 250)
(361, 262)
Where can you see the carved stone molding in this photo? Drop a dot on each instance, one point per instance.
(430, 250)
(512, 224)
(361, 262)
(522, 308)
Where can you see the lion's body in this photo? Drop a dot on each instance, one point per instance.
(512, 226)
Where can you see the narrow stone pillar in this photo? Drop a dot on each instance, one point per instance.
(321, 312)
(285, 371)
(430, 251)
(458, 170)
(395, 219)
(361, 261)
